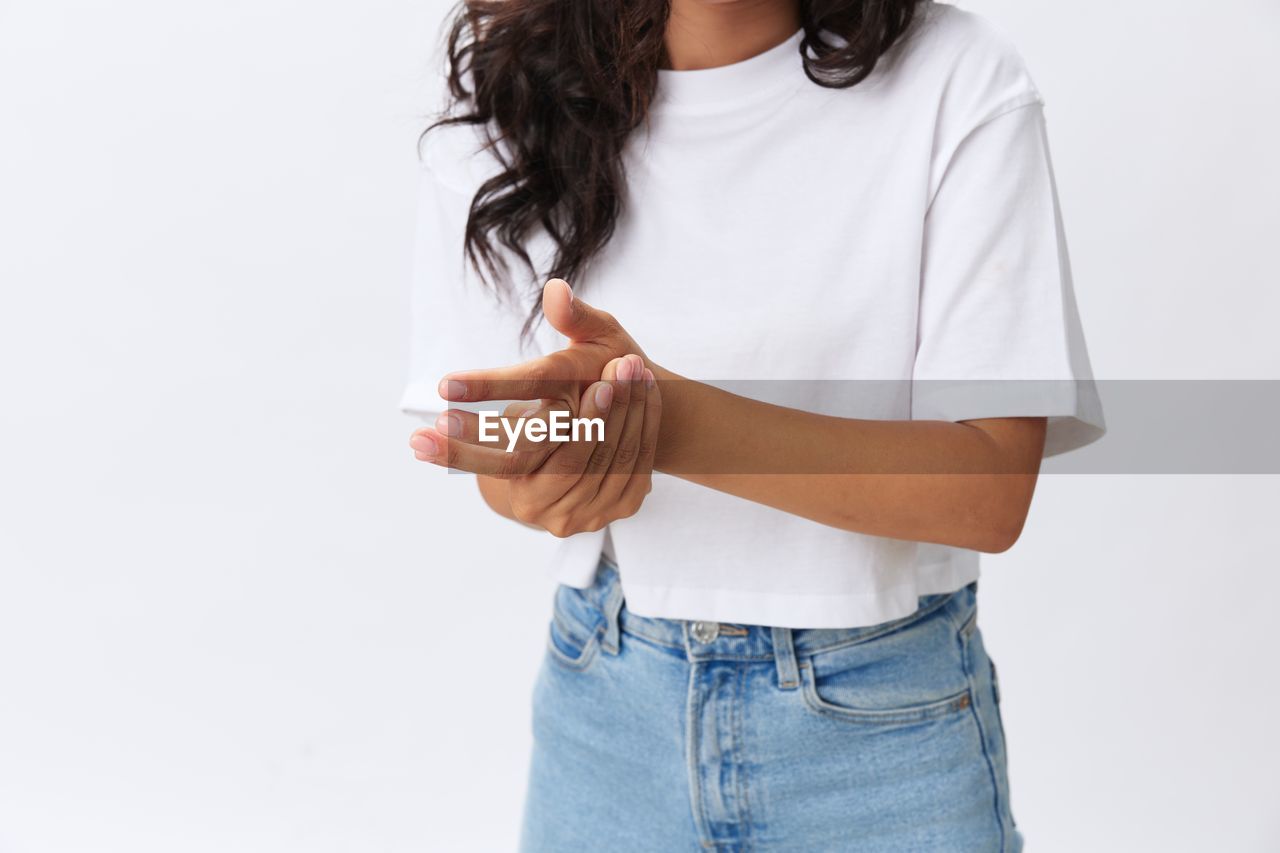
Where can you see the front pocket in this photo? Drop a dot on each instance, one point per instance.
(902, 715)
(576, 628)
(911, 674)
(570, 648)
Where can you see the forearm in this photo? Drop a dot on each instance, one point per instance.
(963, 484)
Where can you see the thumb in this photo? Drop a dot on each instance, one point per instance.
(571, 317)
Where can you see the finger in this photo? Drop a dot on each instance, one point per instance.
(463, 425)
(556, 376)
(596, 464)
(571, 458)
(641, 480)
(572, 317)
(554, 477)
(630, 372)
(524, 409)
(486, 430)
(430, 445)
(615, 422)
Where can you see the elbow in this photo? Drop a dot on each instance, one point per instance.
(1001, 514)
(996, 541)
(998, 532)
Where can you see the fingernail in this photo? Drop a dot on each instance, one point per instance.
(649, 381)
(423, 444)
(604, 395)
(529, 412)
(450, 425)
(637, 366)
(452, 389)
(625, 368)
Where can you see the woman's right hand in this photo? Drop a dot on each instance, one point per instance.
(584, 485)
(574, 486)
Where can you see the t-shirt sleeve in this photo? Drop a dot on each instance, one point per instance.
(457, 321)
(999, 334)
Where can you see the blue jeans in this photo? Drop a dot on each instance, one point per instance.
(665, 735)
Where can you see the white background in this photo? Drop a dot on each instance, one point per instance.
(236, 615)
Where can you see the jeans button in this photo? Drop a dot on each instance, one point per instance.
(705, 632)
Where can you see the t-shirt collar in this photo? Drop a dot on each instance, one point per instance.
(726, 85)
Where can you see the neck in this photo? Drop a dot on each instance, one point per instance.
(702, 34)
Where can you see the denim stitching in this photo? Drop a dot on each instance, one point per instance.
(965, 648)
(904, 716)
(594, 609)
(584, 659)
(887, 628)
(745, 803)
(693, 765)
(657, 644)
(568, 624)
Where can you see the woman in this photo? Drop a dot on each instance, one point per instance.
(822, 289)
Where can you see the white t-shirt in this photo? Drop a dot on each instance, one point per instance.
(905, 229)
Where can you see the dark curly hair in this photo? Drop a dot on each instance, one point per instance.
(559, 85)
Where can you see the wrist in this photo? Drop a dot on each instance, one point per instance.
(676, 405)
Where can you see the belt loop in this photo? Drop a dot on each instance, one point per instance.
(612, 607)
(784, 653)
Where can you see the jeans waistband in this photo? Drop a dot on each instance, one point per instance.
(727, 641)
